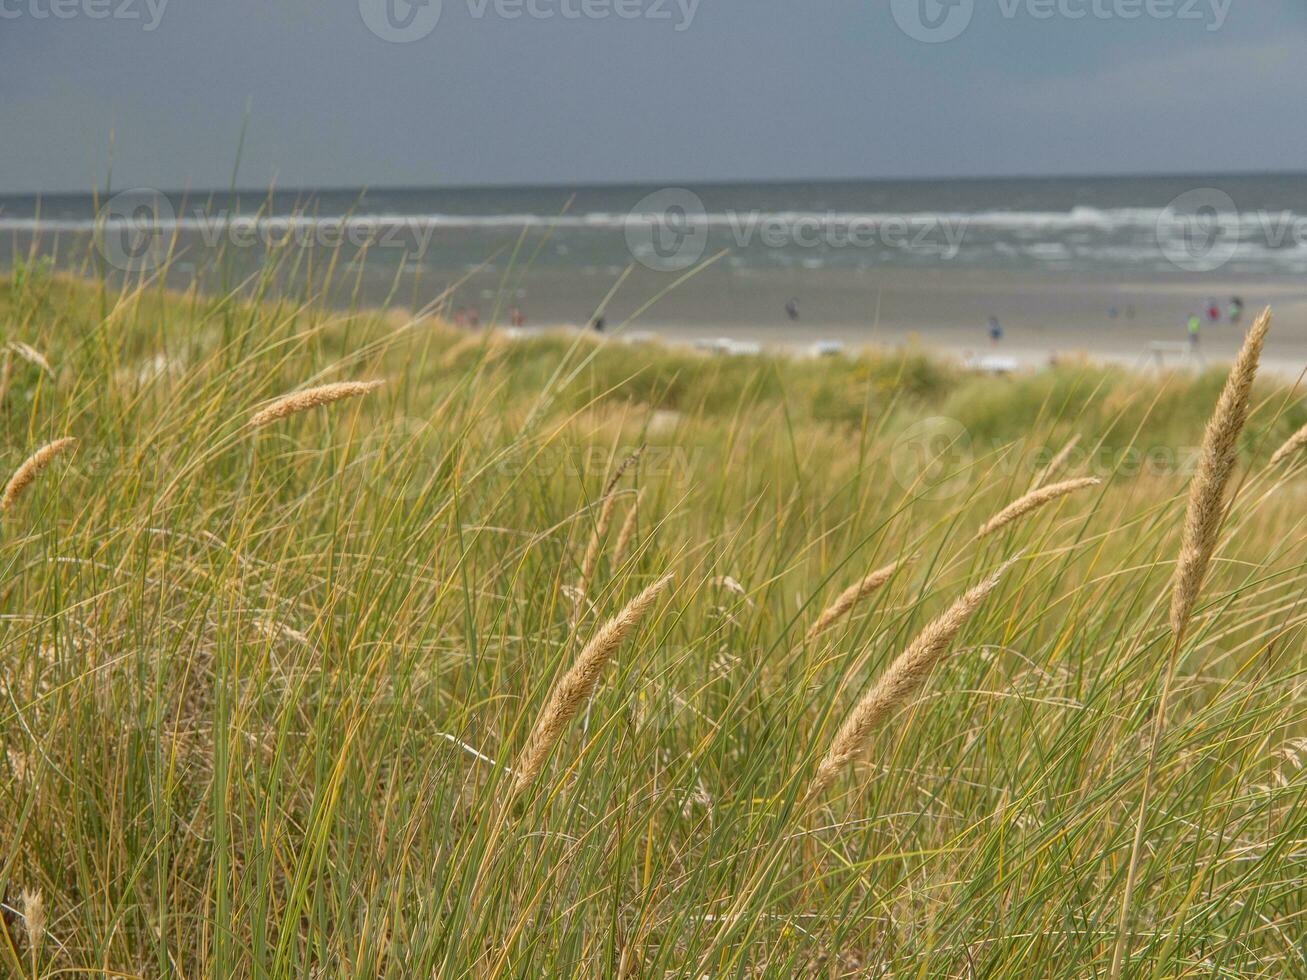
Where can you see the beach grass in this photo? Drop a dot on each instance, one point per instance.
(263, 689)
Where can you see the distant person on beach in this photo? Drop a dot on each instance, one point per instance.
(516, 318)
(1236, 310)
(599, 324)
(995, 331)
(460, 317)
(1195, 328)
(473, 318)
(1213, 311)
(792, 310)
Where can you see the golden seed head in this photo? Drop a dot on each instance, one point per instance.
(576, 686)
(900, 681)
(31, 469)
(1056, 463)
(627, 532)
(33, 917)
(850, 597)
(1292, 445)
(1033, 501)
(1215, 464)
(31, 355)
(302, 401)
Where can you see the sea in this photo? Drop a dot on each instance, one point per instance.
(729, 250)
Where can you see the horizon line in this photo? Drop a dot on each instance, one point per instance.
(674, 182)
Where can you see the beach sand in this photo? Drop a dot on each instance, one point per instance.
(1044, 315)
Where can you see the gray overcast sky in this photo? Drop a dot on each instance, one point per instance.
(748, 89)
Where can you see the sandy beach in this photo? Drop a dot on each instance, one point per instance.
(1135, 317)
(1044, 315)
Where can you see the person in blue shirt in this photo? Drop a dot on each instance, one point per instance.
(995, 330)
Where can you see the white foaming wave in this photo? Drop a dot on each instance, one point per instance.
(1086, 218)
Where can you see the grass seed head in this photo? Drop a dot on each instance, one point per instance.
(31, 469)
(850, 597)
(1292, 445)
(627, 531)
(302, 401)
(900, 681)
(1056, 463)
(1215, 464)
(575, 686)
(1033, 501)
(33, 918)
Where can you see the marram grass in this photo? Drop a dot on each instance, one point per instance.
(1291, 447)
(850, 597)
(302, 401)
(1202, 523)
(578, 683)
(31, 468)
(1056, 464)
(1216, 462)
(1032, 501)
(263, 716)
(902, 679)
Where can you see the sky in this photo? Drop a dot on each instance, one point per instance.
(347, 93)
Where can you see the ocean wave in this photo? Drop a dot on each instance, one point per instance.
(1077, 219)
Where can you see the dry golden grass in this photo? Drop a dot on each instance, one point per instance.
(575, 686)
(1202, 527)
(901, 680)
(607, 502)
(1032, 502)
(31, 469)
(1056, 463)
(33, 919)
(31, 355)
(1293, 445)
(302, 401)
(257, 712)
(1215, 464)
(627, 532)
(850, 597)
